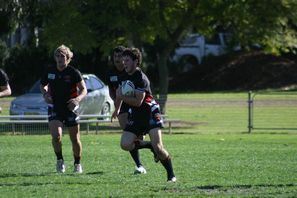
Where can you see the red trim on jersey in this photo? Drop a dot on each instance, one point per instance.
(73, 91)
(148, 98)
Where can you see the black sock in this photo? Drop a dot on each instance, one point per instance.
(168, 166)
(144, 144)
(76, 160)
(135, 155)
(59, 155)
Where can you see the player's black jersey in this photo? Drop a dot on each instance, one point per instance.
(141, 83)
(113, 78)
(146, 117)
(3, 78)
(62, 84)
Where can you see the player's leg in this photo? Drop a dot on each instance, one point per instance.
(76, 147)
(156, 139)
(140, 143)
(55, 127)
(123, 118)
(128, 140)
(71, 121)
(128, 144)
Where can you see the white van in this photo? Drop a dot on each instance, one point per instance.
(194, 47)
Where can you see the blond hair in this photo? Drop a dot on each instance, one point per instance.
(63, 49)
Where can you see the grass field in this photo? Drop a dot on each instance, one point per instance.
(213, 155)
(206, 165)
(213, 113)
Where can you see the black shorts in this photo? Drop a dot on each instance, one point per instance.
(67, 117)
(124, 108)
(140, 122)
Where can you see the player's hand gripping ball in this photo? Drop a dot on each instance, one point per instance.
(128, 88)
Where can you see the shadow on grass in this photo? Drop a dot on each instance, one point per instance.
(244, 186)
(232, 190)
(42, 184)
(67, 182)
(95, 173)
(7, 175)
(271, 132)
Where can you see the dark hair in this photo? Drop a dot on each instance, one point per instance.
(118, 49)
(134, 53)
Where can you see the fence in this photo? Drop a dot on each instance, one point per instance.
(272, 111)
(38, 124)
(196, 113)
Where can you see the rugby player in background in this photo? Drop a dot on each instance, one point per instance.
(4, 85)
(63, 88)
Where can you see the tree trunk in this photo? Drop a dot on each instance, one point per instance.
(163, 82)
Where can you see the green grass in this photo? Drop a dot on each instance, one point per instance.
(212, 113)
(227, 165)
(212, 155)
(5, 104)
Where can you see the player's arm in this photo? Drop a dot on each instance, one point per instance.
(5, 90)
(117, 104)
(82, 92)
(44, 90)
(135, 101)
(112, 93)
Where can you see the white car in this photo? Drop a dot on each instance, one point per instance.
(97, 100)
(195, 47)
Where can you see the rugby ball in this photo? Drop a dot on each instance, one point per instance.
(128, 88)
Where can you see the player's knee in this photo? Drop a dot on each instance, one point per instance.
(56, 138)
(159, 149)
(126, 146)
(75, 140)
(161, 152)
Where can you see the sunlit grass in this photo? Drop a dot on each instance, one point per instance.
(212, 155)
(218, 165)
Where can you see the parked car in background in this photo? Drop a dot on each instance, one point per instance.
(97, 100)
(194, 47)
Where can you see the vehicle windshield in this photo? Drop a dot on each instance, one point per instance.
(91, 84)
(35, 88)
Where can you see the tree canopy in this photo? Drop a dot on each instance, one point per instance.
(156, 26)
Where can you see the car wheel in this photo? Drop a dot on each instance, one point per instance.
(106, 109)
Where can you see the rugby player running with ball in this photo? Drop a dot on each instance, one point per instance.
(144, 116)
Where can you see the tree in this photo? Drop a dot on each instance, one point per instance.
(9, 11)
(166, 22)
(159, 24)
(269, 23)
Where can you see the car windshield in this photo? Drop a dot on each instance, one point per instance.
(35, 88)
(190, 40)
(92, 83)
